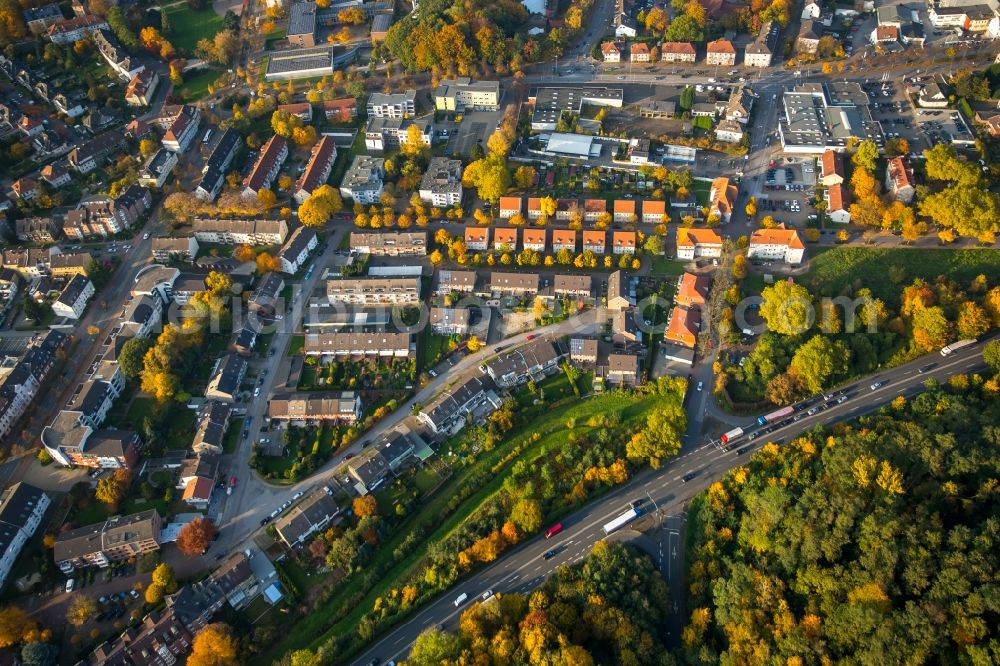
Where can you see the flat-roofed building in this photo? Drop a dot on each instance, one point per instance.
(463, 94)
(441, 184)
(392, 105)
(373, 291)
(548, 104)
(302, 24)
(238, 232)
(816, 117)
(363, 181)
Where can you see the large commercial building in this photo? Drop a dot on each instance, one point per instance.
(550, 103)
(817, 117)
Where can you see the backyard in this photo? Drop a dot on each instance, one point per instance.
(367, 375)
(305, 449)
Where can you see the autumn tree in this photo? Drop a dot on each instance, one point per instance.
(527, 515)
(15, 625)
(489, 176)
(365, 506)
(266, 263)
(214, 646)
(473, 344)
(816, 361)
(81, 609)
(163, 575)
(524, 177)
(787, 308)
(196, 536)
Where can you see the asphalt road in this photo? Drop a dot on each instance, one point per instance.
(665, 493)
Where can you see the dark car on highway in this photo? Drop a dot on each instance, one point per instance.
(549, 554)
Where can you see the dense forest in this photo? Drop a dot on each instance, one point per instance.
(608, 609)
(873, 542)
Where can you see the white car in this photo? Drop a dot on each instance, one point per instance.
(71, 585)
(256, 392)
(145, 236)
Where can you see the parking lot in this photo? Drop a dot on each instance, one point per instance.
(944, 126)
(789, 189)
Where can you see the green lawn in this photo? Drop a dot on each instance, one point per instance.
(549, 423)
(296, 345)
(232, 439)
(663, 266)
(195, 85)
(701, 191)
(834, 271)
(188, 26)
(435, 347)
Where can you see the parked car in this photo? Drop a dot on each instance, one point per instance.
(71, 584)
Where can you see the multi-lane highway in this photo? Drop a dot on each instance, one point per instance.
(665, 492)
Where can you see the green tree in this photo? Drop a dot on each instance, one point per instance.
(991, 354)
(817, 361)
(787, 308)
(686, 102)
(434, 647)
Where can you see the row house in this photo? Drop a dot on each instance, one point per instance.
(213, 174)
(623, 369)
(760, 52)
(373, 291)
(227, 376)
(583, 351)
(578, 286)
(167, 248)
(342, 408)
(22, 507)
(462, 282)
(239, 232)
(265, 170)
(359, 345)
(449, 321)
(182, 129)
(531, 361)
(68, 264)
(37, 230)
(453, 407)
(28, 262)
(301, 110)
(317, 170)
(17, 390)
(698, 243)
(84, 158)
(513, 284)
(534, 208)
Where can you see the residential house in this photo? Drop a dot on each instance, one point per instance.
(449, 321)
(639, 52)
(683, 327)
(37, 230)
(611, 52)
(721, 52)
(141, 88)
(563, 239)
(595, 241)
(533, 239)
(510, 206)
(143, 316)
(677, 52)
(69, 31)
(624, 329)
(182, 129)
(623, 242)
(534, 208)
(698, 243)
(84, 158)
(26, 188)
(157, 168)
(302, 24)
(392, 105)
(575, 286)
(342, 109)
(22, 507)
(810, 32)
(722, 199)
(368, 291)
(40, 18)
(160, 639)
(505, 239)
(197, 479)
(239, 232)
(358, 345)
(831, 168)
(899, 180)
(369, 470)
(294, 254)
(311, 515)
(623, 369)
(513, 284)
(778, 244)
(317, 170)
(462, 282)
(265, 297)
(113, 53)
(74, 298)
(838, 204)
(740, 104)
(692, 290)
(18, 389)
(729, 131)
(624, 210)
(531, 361)
(397, 243)
(620, 295)
(932, 97)
(811, 10)
(760, 51)
(583, 351)
(55, 176)
(363, 181)
(593, 209)
(441, 184)
(477, 238)
(117, 538)
(167, 248)
(227, 376)
(272, 155)
(210, 435)
(449, 412)
(654, 211)
(299, 409)
(68, 264)
(388, 133)
(213, 174)
(301, 110)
